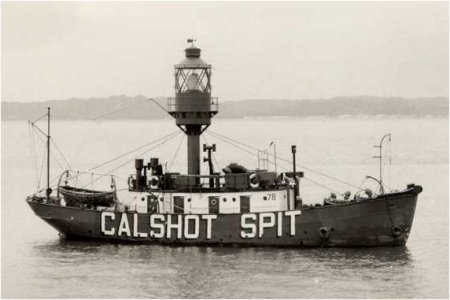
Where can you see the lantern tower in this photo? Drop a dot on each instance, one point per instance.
(193, 107)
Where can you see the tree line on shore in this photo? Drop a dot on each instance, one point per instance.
(138, 107)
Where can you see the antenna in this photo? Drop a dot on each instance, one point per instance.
(380, 146)
(274, 154)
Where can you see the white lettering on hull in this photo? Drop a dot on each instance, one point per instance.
(196, 226)
(209, 219)
(292, 214)
(159, 226)
(280, 224)
(124, 226)
(136, 233)
(176, 226)
(189, 226)
(244, 225)
(112, 216)
(263, 223)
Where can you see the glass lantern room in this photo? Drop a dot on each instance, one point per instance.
(193, 74)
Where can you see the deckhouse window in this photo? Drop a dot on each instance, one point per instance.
(213, 203)
(245, 204)
(178, 205)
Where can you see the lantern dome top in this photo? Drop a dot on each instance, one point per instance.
(192, 60)
(192, 52)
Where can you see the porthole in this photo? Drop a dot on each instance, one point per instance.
(264, 198)
(189, 199)
(224, 199)
(234, 199)
(161, 199)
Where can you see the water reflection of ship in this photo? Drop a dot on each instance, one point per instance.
(234, 205)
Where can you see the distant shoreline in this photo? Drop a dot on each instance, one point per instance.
(139, 108)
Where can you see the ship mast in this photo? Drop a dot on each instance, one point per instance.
(49, 190)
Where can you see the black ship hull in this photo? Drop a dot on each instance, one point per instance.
(383, 221)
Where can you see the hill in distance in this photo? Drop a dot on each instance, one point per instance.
(139, 107)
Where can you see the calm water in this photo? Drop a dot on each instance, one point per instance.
(37, 264)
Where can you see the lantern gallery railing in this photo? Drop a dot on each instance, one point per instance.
(178, 106)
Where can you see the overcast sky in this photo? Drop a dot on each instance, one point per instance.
(262, 50)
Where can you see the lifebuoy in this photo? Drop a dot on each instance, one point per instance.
(154, 182)
(213, 202)
(254, 180)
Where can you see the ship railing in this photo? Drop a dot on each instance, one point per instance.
(201, 181)
(178, 106)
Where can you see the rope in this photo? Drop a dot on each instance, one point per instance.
(176, 152)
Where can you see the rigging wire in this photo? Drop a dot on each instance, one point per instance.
(32, 122)
(60, 153)
(51, 153)
(34, 128)
(176, 152)
(141, 154)
(96, 118)
(306, 178)
(233, 144)
(34, 154)
(134, 150)
(44, 159)
(323, 186)
(159, 105)
(52, 184)
(169, 137)
(288, 161)
(42, 168)
(39, 129)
